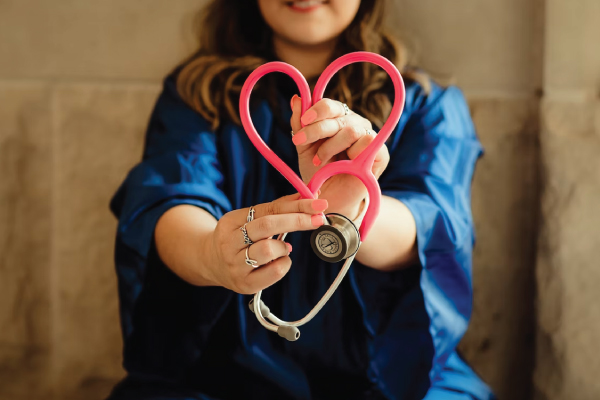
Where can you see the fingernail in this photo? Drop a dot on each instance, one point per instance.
(292, 101)
(319, 192)
(319, 205)
(289, 247)
(299, 138)
(317, 220)
(308, 117)
(316, 161)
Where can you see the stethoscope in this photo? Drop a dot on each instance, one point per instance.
(338, 238)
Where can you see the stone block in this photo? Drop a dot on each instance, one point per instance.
(25, 237)
(100, 131)
(487, 47)
(568, 269)
(499, 342)
(71, 39)
(571, 46)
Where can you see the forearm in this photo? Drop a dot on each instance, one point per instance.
(392, 241)
(183, 236)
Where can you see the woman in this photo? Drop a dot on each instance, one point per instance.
(391, 329)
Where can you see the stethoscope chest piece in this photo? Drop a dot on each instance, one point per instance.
(336, 241)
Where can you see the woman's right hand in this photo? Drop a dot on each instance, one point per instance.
(227, 252)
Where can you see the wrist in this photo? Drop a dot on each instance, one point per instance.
(349, 205)
(206, 261)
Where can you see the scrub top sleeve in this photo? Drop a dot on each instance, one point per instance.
(180, 165)
(432, 159)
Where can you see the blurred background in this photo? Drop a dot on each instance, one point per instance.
(78, 81)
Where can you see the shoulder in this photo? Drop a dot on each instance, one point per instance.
(438, 106)
(172, 109)
(174, 124)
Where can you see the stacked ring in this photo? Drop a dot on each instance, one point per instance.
(250, 216)
(247, 239)
(249, 261)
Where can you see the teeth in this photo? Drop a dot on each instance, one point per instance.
(306, 3)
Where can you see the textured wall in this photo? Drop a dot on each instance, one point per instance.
(491, 49)
(77, 83)
(568, 269)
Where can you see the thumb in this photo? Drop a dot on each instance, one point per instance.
(296, 105)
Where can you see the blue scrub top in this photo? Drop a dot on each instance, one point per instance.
(383, 335)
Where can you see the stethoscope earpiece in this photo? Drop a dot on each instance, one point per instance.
(336, 241)
(288, 332)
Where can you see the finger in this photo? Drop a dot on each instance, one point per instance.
(281, 206)
(265, 251)
(328, 128)
(382, 157)
(323, 109)
(270, 225)
(238, 217)
(296, 104)
(345, 139)
(289, 197)
(265, 276)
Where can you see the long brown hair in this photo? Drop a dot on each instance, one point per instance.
(235, 39)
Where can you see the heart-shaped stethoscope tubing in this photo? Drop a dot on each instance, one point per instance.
(360, 167)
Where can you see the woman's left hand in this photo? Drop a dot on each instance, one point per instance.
(330, 135)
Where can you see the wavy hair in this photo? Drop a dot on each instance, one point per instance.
(234, 39)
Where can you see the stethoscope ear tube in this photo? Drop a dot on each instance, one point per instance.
(284, 328)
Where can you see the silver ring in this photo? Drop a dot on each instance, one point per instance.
(346, 109)
(249, 261)
(247, 240)
(250, 216)
(292, 132)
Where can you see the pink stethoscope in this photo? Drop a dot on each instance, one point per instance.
(338, 238)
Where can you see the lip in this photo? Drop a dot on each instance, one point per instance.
(292, 5)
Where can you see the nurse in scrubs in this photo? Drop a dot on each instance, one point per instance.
(391, 330)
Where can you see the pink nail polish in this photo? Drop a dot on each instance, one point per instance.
(308, 117)
(316, 161)
(299, 138)
(319, 205)
(292, 101)
(317, 220)
(289, 247)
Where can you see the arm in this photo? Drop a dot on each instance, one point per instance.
(392, 241)
(182, 237)
(391, 244)
(207, 252)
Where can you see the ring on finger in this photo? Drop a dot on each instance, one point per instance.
(249, 261)
(346, 109)
(247, 239)
(250, 216)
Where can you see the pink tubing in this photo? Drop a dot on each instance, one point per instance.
(361, 166)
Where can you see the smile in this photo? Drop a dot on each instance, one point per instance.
(305, 5)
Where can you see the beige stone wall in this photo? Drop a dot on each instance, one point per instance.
(568, 268)
(78, 81)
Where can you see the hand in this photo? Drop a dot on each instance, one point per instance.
(330, 135)
(228, 252)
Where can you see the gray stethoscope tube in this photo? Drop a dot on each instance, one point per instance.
(289, 330)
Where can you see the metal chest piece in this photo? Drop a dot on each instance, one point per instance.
(336, 241)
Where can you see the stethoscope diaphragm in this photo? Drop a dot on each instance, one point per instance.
(336, 240)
